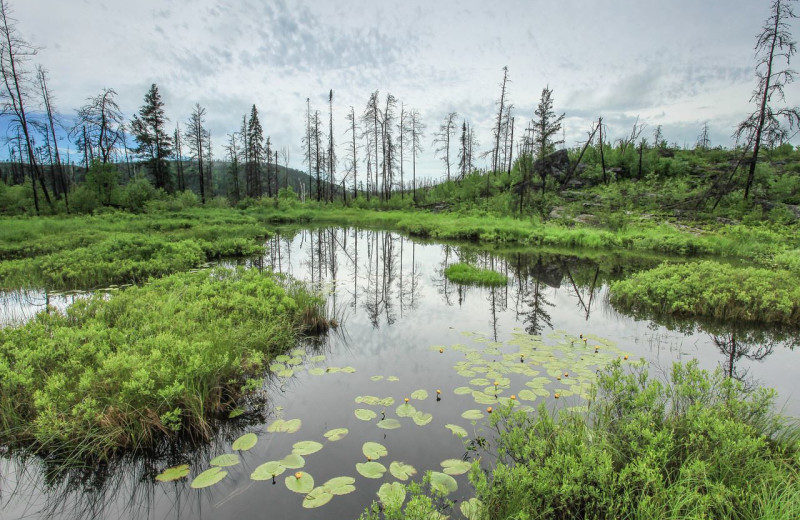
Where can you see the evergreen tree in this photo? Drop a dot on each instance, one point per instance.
(255, 154)
(154, 143)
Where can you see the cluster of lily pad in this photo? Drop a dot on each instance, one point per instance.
(564, 366)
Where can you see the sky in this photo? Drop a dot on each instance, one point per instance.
(676, 63)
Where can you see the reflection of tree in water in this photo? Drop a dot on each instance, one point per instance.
(380, 278)
(737, 344)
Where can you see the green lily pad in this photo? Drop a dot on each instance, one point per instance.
(370, 400)
(392, 495)
(472, 415)
(483, 398)
(348, 370)
(304, 484)
(387, 401)
(268, 470)
(333, 370)
(245, 442)
(466, 373)
(480, 381)
(471, 508)
(340, 485)
(174, 473)
(286, 373)
(293, 461)
(316, 371)
(283, 358)
(236, 412)
(376, 378)
(389, 424)
(208, 478)
(227, 459)
(281, 426)
(317, 497)
(419, 395)
(336, 434)
(527, 395)
(298, 352)
(295, 361)
(371, 469)
(405, 410)
(401, 470)
(317, 359)
(374, 450)
(462, 390)
(456, 466)
(421, 419)
(443, 483)
(393, 378)
(365, 414)
(457, 430)
(306, 447)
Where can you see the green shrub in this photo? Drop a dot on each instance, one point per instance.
(124, 371)
(699, 446)
(714, 290)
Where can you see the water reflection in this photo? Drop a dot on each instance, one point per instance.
(394, 302)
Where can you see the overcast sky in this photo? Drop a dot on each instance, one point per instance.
(674, 63)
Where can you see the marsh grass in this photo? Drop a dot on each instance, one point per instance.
(714, 290)
(697, 446)
(164, 359)
(467, 274)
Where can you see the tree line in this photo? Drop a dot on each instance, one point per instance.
(379, 140)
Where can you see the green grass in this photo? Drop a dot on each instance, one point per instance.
(166, 358)
(714, 290)
(87, 252)
(467, 274)
(697, 446)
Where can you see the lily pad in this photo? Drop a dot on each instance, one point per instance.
(368, 399)
(336, 434)
(174, 473)
(419, 395)
(421, 419)
(317, 359)
(455, 466)
(317, 497)
(392, 495)
(304, 484)
(293, 461)
(462, 390)
(387, 401)
(227, 459)
(457, 430)
(295, 361)
(283, 358)
(365, 414)
(401, 470)
(306, 447)
(340, 485)
(480, 381)
(208, 478)
(472, 415)
(389, 424)
(348, 370)
(236, 412)
(376, 378)
(298, 352)
(281, 426)
(316, 371)
(268, 470)
(286, 373)
(471, 508)
(374, 450)
(483, 398)
(443, 482)
(245, 442)
(405, 410)
(393, 378)
(371, 469)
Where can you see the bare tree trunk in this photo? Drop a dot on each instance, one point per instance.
(602, 156)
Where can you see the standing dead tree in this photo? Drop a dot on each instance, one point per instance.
(763, 126)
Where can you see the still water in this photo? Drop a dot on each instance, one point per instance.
(403, 327)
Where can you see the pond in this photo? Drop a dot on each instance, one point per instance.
(404, 332)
